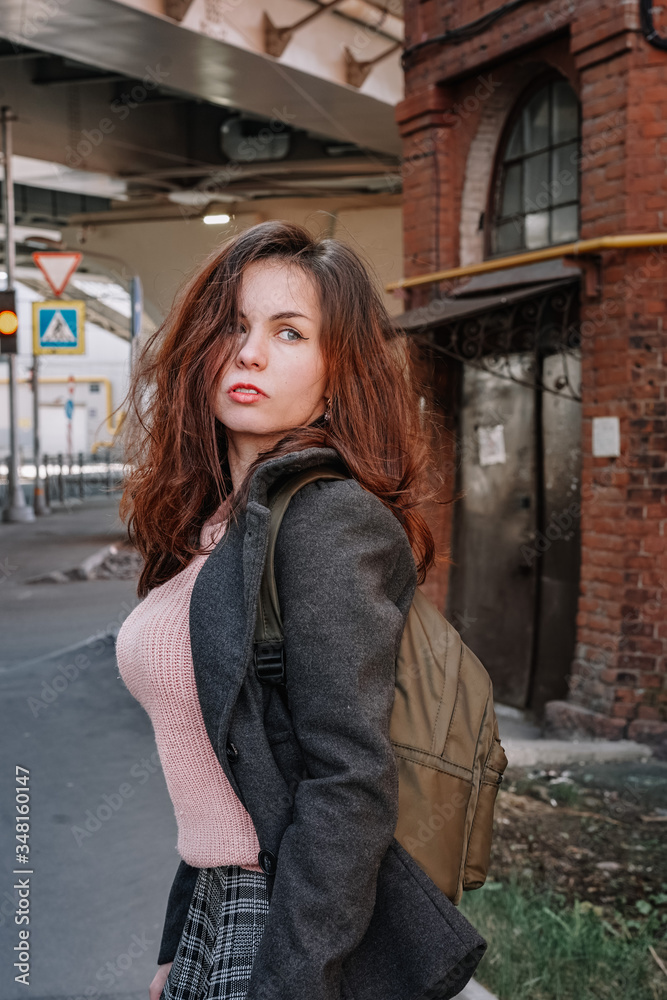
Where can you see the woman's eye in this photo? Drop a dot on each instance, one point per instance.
(296, 333)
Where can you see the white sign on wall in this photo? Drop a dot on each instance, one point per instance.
(606, 437)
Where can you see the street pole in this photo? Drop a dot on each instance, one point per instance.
(136, 298)
(40, 503)
(69, 406)
(17, 509)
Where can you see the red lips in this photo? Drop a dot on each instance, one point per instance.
(245, 385)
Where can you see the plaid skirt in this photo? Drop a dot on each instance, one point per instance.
(220, 937)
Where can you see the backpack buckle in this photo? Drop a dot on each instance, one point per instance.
(270, 662)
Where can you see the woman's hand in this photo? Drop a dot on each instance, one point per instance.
(159, 979)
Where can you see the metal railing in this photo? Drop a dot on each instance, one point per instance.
(68, 479)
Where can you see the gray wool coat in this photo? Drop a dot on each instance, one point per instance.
(351, 915)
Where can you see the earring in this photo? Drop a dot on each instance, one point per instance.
(327, 412)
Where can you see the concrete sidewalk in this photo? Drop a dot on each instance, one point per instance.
(40, 618)
(525, 745)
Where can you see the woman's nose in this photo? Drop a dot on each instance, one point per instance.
(253, 350)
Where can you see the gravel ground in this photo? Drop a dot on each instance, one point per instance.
(590, 831)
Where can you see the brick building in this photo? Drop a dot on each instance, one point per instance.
(528, 127)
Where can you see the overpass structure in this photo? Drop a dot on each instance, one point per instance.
(295, 95)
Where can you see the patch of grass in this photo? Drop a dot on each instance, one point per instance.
(541, 948)
(522, 785)
(565, 795)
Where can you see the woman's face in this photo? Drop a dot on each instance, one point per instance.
(279, 354)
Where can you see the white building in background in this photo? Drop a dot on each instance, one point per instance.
(101, 378)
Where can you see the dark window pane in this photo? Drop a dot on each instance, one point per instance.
(565, 224)
(564, 175)
(565, 123)
(515, 145)
(511, 199)
(509, 236)
(536, 122)
(536, 182)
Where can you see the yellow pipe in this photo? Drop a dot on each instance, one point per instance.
(627, 242)
(54, 380)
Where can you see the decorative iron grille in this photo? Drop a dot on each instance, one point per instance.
(530, 328)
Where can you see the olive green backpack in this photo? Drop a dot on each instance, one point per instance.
(444, 729)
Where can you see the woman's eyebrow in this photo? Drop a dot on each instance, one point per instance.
(281, 315)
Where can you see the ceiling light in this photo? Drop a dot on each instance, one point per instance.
(216, 220)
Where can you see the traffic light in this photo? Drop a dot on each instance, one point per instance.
(9, 323)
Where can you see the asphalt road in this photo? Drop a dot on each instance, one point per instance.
(102, 830)
(102, 859)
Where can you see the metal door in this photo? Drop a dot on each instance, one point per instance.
(514, 582)
(492, 590)
(558, 541)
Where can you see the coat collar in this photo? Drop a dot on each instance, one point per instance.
(293, 461)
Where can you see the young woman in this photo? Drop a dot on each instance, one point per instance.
(278, 356)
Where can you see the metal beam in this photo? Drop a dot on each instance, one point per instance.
(332, 167)
(356, 71)
(122, 39)
(276, 39)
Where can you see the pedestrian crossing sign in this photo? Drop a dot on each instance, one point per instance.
(58, 327)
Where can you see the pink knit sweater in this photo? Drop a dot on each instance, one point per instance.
(155, 663)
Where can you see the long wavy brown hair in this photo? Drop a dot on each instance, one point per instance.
(175, 449)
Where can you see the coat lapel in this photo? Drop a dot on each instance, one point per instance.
(223, 604)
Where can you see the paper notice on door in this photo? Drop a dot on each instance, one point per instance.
(491, 442)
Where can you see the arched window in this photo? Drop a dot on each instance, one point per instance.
(536, 194)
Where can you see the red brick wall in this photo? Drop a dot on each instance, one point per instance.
(620, 668)
(443, 402)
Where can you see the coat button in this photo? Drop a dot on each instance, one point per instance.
(232, 752)
(267, 861)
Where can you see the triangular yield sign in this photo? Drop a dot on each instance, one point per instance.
(57, 267)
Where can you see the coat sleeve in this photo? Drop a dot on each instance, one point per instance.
(346, 577)
(178, 905)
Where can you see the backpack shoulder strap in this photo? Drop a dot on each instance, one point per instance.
(269, 655)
